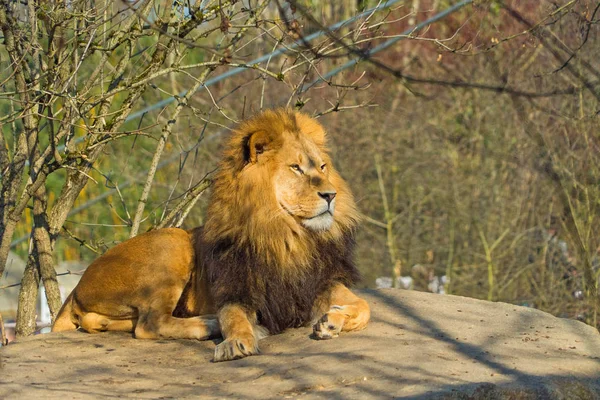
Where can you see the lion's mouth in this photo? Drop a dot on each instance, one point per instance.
(320, 222)
(321, 215)
(328, 212)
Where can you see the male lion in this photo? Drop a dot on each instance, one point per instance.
(275, 252)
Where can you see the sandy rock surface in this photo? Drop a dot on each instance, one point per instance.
(418, 345)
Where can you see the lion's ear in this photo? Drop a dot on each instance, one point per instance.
(257, 143)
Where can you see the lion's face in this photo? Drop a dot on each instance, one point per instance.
(301, 182)
(278, 191)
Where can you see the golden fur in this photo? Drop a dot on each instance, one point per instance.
(275, 252)
(270, 231)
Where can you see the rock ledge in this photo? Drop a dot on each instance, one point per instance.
(418, 345)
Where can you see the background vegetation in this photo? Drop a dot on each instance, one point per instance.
(471, 144)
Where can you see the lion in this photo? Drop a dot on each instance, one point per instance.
(275, 252)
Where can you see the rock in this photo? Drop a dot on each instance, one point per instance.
(418, 345)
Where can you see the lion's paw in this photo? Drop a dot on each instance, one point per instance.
(233, 349)
(330, 325)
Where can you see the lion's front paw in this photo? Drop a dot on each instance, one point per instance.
(330, 325)
(232, 349)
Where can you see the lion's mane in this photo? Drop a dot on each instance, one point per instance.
(256, 257)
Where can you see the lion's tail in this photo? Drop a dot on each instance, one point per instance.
(64, 319)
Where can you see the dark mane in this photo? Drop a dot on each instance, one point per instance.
(237, 275)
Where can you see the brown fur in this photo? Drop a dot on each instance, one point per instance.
(275, 252)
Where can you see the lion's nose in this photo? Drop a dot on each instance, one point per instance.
(328, 196)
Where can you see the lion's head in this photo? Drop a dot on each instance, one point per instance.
(277, 190)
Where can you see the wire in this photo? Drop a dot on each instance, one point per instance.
(390, 42)
(235, 71)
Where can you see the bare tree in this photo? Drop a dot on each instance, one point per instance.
(77, 71)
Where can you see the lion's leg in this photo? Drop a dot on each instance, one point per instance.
(157, 320)
(346, 312)
(65, 320)
(94, 323)
(239, 334)
(168, 327)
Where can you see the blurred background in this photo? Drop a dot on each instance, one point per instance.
(468, 132)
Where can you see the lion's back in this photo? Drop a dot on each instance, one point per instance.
(137, 264)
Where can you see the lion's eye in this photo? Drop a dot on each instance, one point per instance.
(296, 168)
(323, 167)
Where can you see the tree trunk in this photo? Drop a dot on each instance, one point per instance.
(3, 339)
(26, 311)
(43, 251)
(12, 180)
(8, 230)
